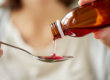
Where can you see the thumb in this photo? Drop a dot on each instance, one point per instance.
(1, 51)
(82, 2)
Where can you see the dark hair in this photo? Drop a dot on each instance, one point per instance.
(17, 4)
(13, 4)
(67, 3)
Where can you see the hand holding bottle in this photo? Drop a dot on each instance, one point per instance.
(103, 34)
(82, 2)
(1, 51)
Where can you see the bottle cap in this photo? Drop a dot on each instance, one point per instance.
(59, 28)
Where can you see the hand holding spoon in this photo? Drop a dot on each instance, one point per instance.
(50, 59)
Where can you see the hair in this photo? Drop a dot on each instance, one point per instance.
(13, 4)
(17, 4)
(67, 3)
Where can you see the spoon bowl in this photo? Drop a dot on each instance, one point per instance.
(49, 59)
(45, 59)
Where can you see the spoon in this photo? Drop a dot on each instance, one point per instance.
(50, 59)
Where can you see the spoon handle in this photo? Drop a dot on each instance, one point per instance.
(15, 47)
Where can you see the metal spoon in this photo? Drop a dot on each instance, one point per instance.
(41, 58)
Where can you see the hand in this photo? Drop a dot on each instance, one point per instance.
(82, 2)
(103, 34)
(1, 51)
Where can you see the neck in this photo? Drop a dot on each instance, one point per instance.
(34, 26)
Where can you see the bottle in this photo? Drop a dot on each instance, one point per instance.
(83, 20)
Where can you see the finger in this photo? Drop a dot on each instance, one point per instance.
(82, 2)
(104, 35)
(101, 34)
(1, 52)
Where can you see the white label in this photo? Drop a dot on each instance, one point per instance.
(73, 35)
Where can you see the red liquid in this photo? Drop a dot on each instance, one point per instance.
(80, 32)
(54, 57)
(76, 32)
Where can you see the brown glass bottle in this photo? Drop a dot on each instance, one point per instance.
(83, 20)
